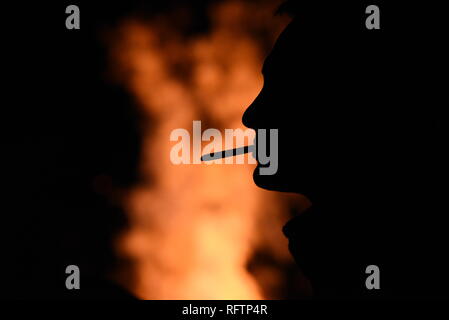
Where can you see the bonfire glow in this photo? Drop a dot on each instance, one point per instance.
(194, 228)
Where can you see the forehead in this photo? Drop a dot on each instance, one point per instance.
(302, 48)
(285, 53)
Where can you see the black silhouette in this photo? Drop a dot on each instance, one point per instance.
(360, 119)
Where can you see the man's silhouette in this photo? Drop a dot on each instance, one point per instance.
(359, 119)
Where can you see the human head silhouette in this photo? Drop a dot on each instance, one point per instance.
(354, 136)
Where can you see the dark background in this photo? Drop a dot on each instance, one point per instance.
(65, 125)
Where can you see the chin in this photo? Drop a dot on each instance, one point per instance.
(272, 182)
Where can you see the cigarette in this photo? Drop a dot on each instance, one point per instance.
(227, 153)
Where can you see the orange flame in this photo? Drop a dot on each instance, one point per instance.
(194, 228)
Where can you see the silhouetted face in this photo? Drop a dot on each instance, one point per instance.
(302, 98)
(322, 91)
(356, 137)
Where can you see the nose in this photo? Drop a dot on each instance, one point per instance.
(250, 116)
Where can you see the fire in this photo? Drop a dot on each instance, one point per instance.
(194, 228)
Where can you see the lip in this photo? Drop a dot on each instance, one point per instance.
(254, 150)
(256, 141)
